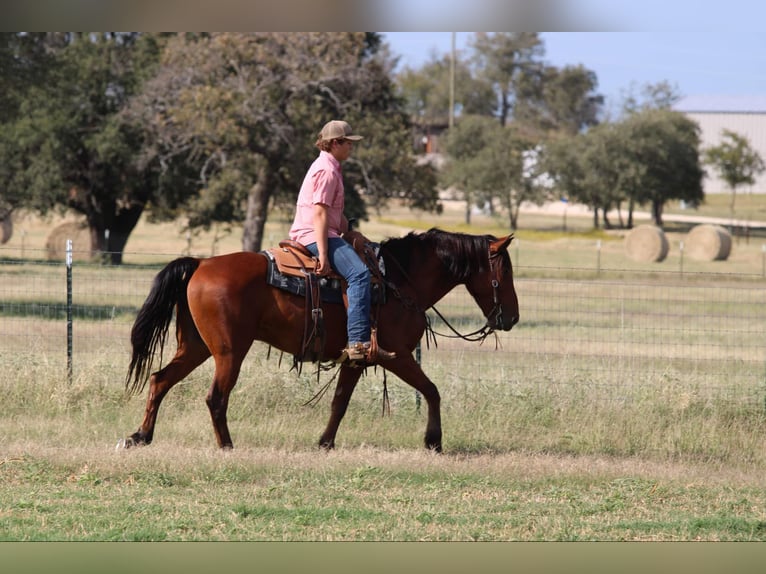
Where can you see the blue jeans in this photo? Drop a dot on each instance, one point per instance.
(347, 264)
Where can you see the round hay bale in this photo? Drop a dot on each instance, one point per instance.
(78, 232)
(708, 243)
(647, 244)
(6, 229)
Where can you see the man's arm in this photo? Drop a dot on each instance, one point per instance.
(321, 227)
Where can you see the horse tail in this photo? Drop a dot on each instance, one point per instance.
(153, 320)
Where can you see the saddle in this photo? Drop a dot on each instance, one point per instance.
(292, 268)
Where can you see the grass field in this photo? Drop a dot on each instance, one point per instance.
(536, 469)
(528, 456)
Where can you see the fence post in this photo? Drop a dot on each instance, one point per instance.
(69, 310)
(763, 260)
(598, 257)
(681, 257)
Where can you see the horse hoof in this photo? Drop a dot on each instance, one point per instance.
(125, 443)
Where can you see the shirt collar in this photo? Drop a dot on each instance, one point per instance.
(331, 158)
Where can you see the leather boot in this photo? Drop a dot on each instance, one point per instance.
(367, 353)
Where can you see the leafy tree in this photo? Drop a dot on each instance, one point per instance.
(665, 145)
(659, 96)
(426, 91)
(651, 157)
(246, 109)
(66, 146)
(584, 169)
(505, 77)
(736, 162)
(505, 60)
(24, 63)
(559, 100)
(25, 60)
(487, 161)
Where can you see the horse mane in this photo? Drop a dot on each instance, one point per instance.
(461, 253)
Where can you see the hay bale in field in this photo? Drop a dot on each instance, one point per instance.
(708, 243)
(78, 232)
(6, 228)
(647, 244)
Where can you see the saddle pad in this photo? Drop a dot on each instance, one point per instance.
(330, 289)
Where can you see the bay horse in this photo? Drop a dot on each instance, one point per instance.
(224, 303)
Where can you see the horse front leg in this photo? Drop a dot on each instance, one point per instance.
(347, 379)
(407, 369)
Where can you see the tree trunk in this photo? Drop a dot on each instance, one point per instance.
(110, 230)
(657, 212)
(619, 215)
(595, 217)
(605, 215)
(257, 210)
(513, 214)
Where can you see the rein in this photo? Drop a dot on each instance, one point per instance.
(480, 334)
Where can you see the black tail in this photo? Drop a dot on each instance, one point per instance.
(153, 320)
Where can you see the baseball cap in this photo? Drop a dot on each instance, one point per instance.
(337, 129)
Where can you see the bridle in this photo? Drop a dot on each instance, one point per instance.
(495, 273)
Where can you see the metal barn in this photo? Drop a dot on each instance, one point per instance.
(745, 115)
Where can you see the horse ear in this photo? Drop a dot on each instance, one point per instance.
(501, 244)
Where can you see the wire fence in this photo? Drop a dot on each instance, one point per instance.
(610, 335)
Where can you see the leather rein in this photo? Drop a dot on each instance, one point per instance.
(495, 270)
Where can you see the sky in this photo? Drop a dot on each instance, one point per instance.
(698, 50)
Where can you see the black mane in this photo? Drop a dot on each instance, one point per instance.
(461, 254)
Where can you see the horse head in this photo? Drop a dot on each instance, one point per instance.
(493, 289)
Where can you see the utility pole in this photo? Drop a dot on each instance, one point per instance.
(452, 85)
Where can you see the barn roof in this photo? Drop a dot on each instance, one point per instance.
(741, 104)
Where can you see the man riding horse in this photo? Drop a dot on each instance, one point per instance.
(320, 226)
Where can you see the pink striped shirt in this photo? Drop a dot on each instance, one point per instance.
(323, 184)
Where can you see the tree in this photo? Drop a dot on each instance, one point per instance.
(659, 96)
(505, 59)
(584, 169)
(736, 162)
(487, 161)
(246, 109)
(651, 157)
(665, 145)
(24, 63)
(66, 146)
(426, 91)
(559, 100)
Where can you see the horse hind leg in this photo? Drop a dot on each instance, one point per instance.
(227, 369)
(189, 356)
